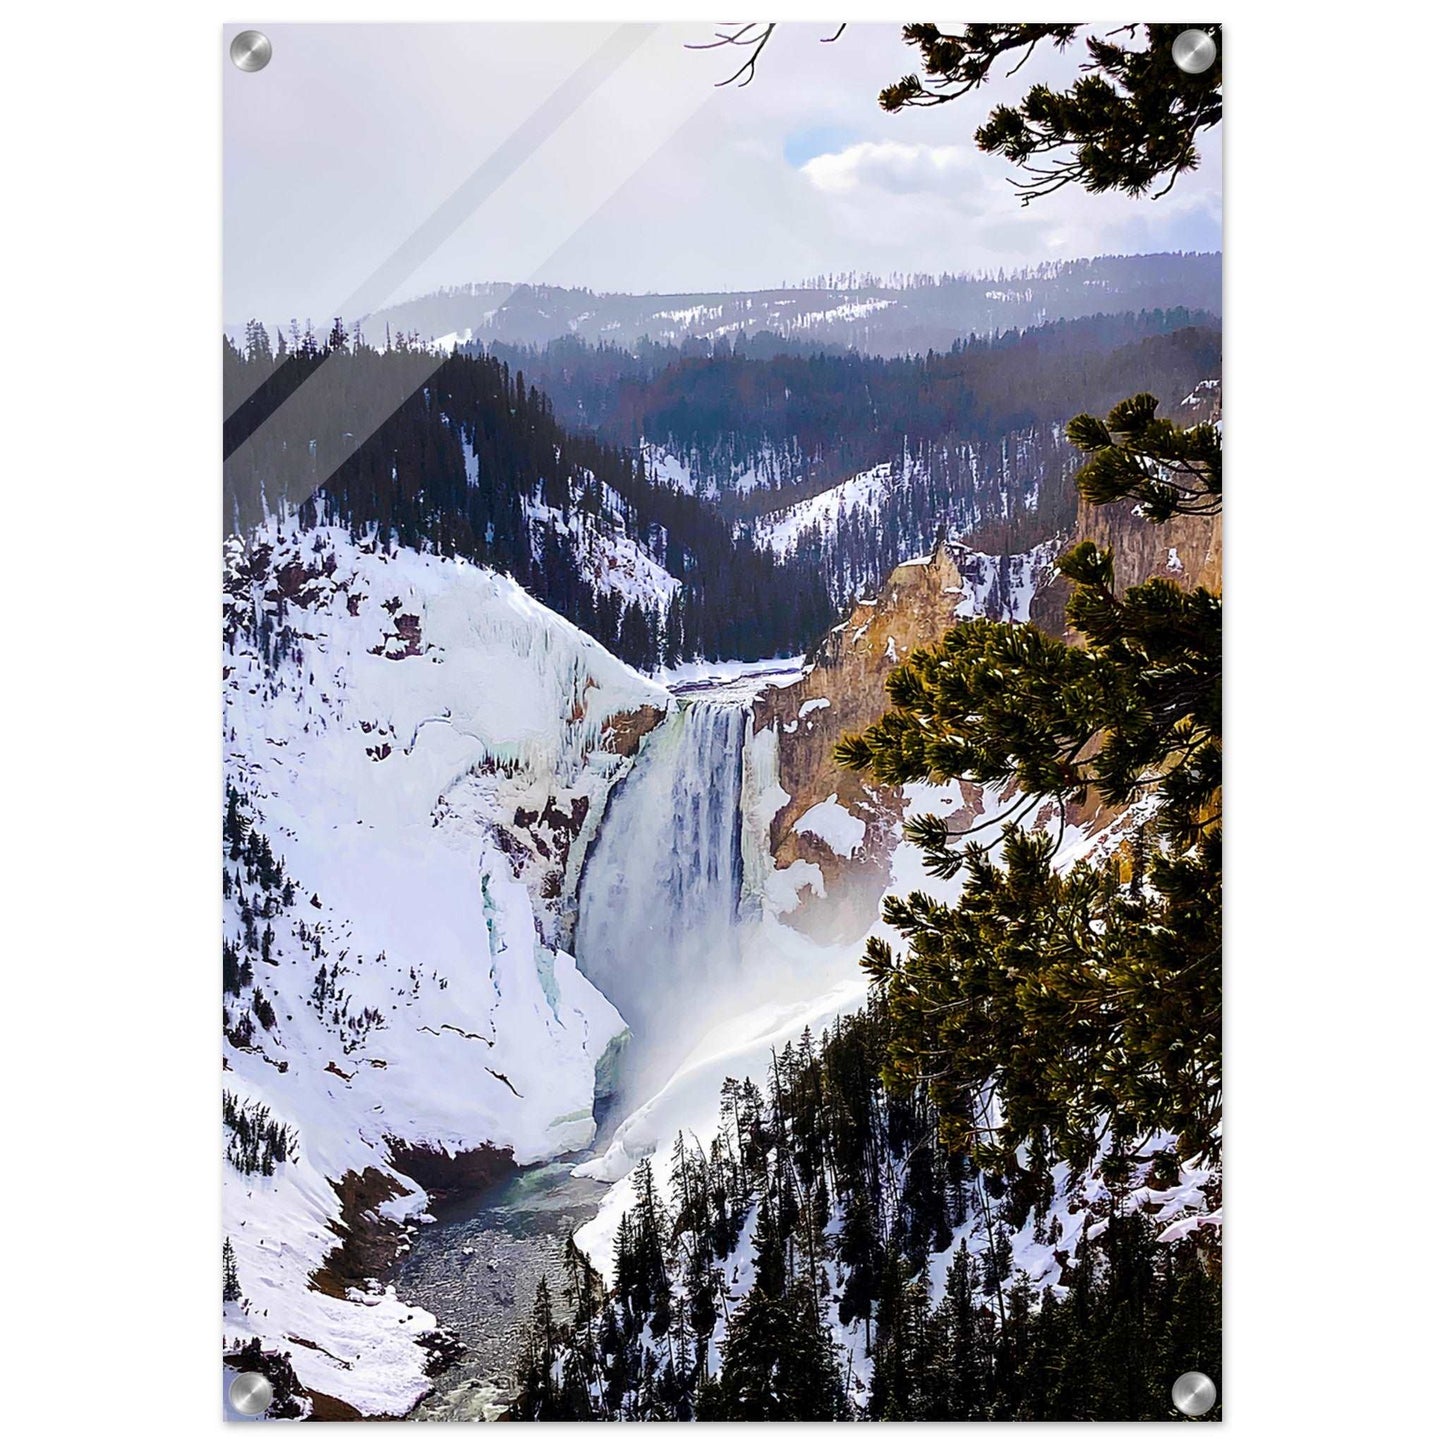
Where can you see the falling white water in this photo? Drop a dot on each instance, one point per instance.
(658, 912)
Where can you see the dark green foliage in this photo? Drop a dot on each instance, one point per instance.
(1134, 1315)
(956, 64)
(250, 865)
(639, 1270)
(779, 1363)
(1084, 1003)
(258, 1142)
(1136, 455)
(858, 1250)
(1131, 119)
(1129, 1314)
(456, 459)
(230, 1280)
(236, 972)
(459, 456)
(261, 1007)
(970, 430)
(541, 1393)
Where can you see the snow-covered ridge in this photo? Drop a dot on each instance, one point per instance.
(687, 471)
(602, 552)
(898, 314)
(862, 527)
(858, 495)
(423, 749)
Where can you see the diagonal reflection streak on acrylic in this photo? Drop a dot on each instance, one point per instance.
(568, 103)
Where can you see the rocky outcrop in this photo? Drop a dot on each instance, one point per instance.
(1187, 550)
(368, 1240)
(624, 731)
(844, 692)
(442, 1172)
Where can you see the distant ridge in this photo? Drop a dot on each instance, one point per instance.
(886, 316)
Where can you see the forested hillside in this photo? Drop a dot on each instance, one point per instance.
(844, 414)
(461, 456)
(825, 1257)
(848, 464)
(712, 504)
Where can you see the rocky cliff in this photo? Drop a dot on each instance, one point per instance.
(842, 822)
(1187, 550)
(844, 689)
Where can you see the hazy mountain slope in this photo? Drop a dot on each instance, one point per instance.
(883, 316)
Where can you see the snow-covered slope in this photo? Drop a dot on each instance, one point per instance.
(748, 1045)
(601, 551)
(817, 981)
(415, 753)
(859, 496)
(856, 532)
(1002, 587)
(714, 474)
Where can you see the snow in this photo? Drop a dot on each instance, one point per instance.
(689, 1102)
(691, 473)
(1003, 587)
(741, 680)
(422, 706)
(847, 311)
(743, 1046)
(449, 343)
(421, 703)
(604, 554)
(831, 823)
(781, 530)
(763, 796)
(783, 890)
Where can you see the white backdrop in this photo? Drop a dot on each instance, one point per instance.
(111, 312)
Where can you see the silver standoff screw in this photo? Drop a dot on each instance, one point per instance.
(251, 1393)
(250, 50)
(1194, 51)
(1194, 1393)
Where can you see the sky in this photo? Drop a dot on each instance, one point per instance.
(370, 163)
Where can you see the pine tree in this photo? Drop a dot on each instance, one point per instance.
(1129, 121)
(1091, 1007)
(779, 1363)
(230, 1280)
(539, 1397)
(858, 1248)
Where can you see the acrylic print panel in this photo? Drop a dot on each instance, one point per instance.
(721, 655)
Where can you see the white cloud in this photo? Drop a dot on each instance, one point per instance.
(898, 167)
(916, 205)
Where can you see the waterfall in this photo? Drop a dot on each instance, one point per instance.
(659, 899)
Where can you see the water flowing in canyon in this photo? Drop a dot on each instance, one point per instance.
(669, 928)
(658, 908)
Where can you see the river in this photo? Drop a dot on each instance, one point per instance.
(657, 933)
(476, 1269)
